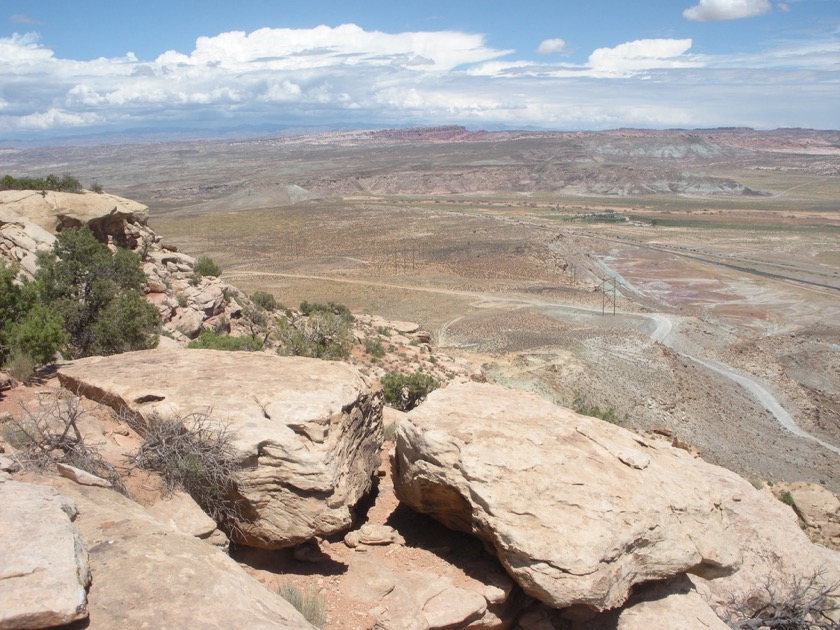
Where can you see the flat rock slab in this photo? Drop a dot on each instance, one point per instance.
(150, 576)
(44, 572)
(577, 510)
(307, 432)
(415, 600)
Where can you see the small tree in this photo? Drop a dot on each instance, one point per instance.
(28, 330)
(206, 266)
(264, 300)
(98, 295)
(406, 392)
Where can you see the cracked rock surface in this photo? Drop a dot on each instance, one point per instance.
(577, 510)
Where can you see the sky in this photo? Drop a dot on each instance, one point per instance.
(91, 67)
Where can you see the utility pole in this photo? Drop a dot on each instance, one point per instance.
(604, 296)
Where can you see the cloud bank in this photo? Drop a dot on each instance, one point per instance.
(345, 75)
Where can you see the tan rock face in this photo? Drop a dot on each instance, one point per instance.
(44, 571)
(577, 510)
(308, 432)
(776, 553)
(150, 576)
(105, 214)
(671, 605)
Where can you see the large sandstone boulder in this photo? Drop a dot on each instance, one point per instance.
(777, 556)
(307, 432)
(44, 572)
(149, 576)
(577, 510)
(106, 215)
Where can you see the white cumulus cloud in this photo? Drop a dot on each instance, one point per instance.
(717, 10)
(642, 54)
(348, 44)
(551, 46)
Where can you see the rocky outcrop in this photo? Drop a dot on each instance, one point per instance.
(29, 221)
(44, 571)
(817, 508)
(777, 555)
(106, 215)
(149, 576)
(578, 511)
(307, 432)
(20, 243)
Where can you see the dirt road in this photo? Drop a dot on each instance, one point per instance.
(662, 329)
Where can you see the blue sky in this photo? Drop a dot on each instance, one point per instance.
(89, 67)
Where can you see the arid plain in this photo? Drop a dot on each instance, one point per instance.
(680, 281)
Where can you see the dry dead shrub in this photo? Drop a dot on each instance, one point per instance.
(809, 603)
(193, 453)
(47, 432)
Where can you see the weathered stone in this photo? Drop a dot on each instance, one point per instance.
(188, 321)
(453, 607)
(670, 605)
(578, 510)
(307, 432)
(369, 534)
(9, 464)
(149, 576)
(44, 572)
(81, 476)
(207, 298)
(181, 512)
(814, 504)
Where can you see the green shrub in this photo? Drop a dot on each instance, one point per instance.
(128, 323)
(97, 294)
(39, 334)
(65, 183)
(389, 432)
(211, 340)
(330, 307)
(265, 300)
(322, 335)
(20, 365)
(309, 603)
(787, 499)
(205, 266)
(405, 392)
(26, 327)
(582, 406)
(374, 348)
